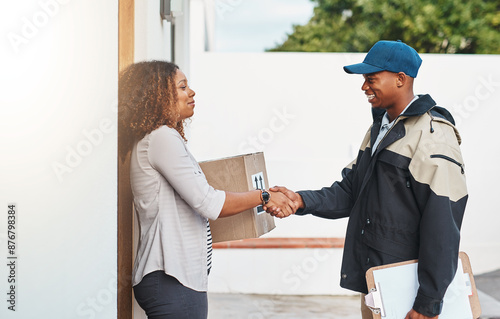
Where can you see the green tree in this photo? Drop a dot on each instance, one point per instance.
(430, 26)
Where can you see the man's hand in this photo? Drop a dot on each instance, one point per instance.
(294, 204)
(415, 315)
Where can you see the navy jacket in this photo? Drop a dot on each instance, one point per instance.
(405, 202)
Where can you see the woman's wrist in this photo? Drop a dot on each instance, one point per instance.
(265, 197)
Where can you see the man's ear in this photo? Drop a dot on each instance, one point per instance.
(401, 79)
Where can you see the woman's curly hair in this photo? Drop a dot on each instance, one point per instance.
(147, 100)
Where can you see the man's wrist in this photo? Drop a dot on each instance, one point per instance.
(301, 202)
(427, 306)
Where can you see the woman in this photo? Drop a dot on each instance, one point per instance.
(172, 198)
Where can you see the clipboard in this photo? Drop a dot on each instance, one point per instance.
(393, 287)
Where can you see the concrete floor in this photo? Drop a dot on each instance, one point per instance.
(234, 306)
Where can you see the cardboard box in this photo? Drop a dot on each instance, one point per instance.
(239, 174)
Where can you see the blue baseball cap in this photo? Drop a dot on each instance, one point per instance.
(393, 56)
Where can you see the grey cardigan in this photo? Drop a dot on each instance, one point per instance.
(173, 202)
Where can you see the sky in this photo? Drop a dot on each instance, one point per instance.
(257, 25)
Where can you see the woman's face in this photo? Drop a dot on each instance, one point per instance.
(185, 96)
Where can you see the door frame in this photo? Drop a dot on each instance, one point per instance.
(126, 9)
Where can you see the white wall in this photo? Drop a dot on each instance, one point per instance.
(297, 271)
(309, 116)
(153, 35)
(58, 156)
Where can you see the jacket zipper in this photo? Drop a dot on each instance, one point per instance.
(449, 159)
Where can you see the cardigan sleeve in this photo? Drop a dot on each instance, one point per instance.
(169, 156)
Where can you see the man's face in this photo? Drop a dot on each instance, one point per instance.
(380, 89)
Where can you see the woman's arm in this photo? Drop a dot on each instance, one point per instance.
(168, 155)
(238, 202)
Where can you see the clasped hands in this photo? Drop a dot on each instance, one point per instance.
(283, 202)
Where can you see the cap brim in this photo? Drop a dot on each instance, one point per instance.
(361, 68)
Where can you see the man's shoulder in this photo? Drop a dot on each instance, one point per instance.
(442, 113)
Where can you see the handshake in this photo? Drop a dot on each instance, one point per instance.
(283, 202)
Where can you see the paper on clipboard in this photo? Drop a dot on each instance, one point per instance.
(393, 291)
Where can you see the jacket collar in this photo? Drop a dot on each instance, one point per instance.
(423, 104)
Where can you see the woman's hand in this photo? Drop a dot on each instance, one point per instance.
(279, 205)
(285, 203)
